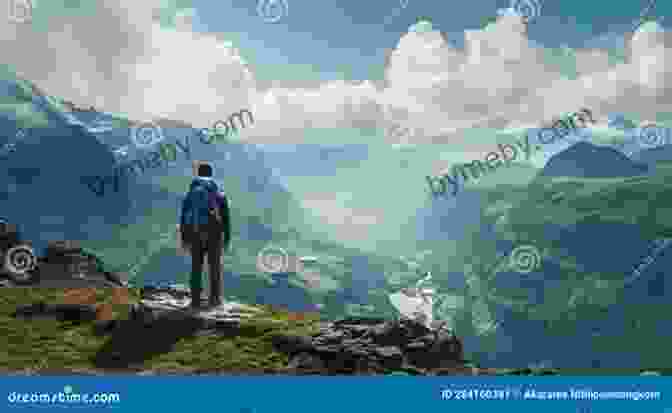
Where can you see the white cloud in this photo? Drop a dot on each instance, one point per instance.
(121, 60)
(529, 92)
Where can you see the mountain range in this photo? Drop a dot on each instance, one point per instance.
(591, 213)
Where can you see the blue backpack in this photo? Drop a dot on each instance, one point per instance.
(196, 205)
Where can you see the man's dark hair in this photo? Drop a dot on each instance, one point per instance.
(205, 170)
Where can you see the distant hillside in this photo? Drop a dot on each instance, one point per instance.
(586, 160)
(590, 234)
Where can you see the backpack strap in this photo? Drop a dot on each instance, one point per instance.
(225, 215)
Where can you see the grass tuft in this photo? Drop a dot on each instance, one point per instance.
(43, 345)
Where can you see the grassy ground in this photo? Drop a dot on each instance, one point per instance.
(48, 346)
(44, 345)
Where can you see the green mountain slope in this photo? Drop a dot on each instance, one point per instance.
(519, 213)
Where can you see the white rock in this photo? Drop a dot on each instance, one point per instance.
(415, 307)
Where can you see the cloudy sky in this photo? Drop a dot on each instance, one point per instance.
(348, 64)
(334, 64)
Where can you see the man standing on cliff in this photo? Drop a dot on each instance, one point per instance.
(205, 229)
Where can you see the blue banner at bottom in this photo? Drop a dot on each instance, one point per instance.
(310, 394)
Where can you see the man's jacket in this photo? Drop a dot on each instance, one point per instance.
(202, 204)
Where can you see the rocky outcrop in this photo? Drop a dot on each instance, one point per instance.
(65, 265)
(72, 257)
(352, 346)
(373, 346)
(346, 346)
(9, 235)
(158, 303)
(158, 308)
(62, 312)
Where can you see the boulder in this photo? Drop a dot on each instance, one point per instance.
(9, 235)
(65, 265)
(367, 345)
(56, 249)
(306, 361)
(63, 312)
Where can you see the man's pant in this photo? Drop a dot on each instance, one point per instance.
(207, 241)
